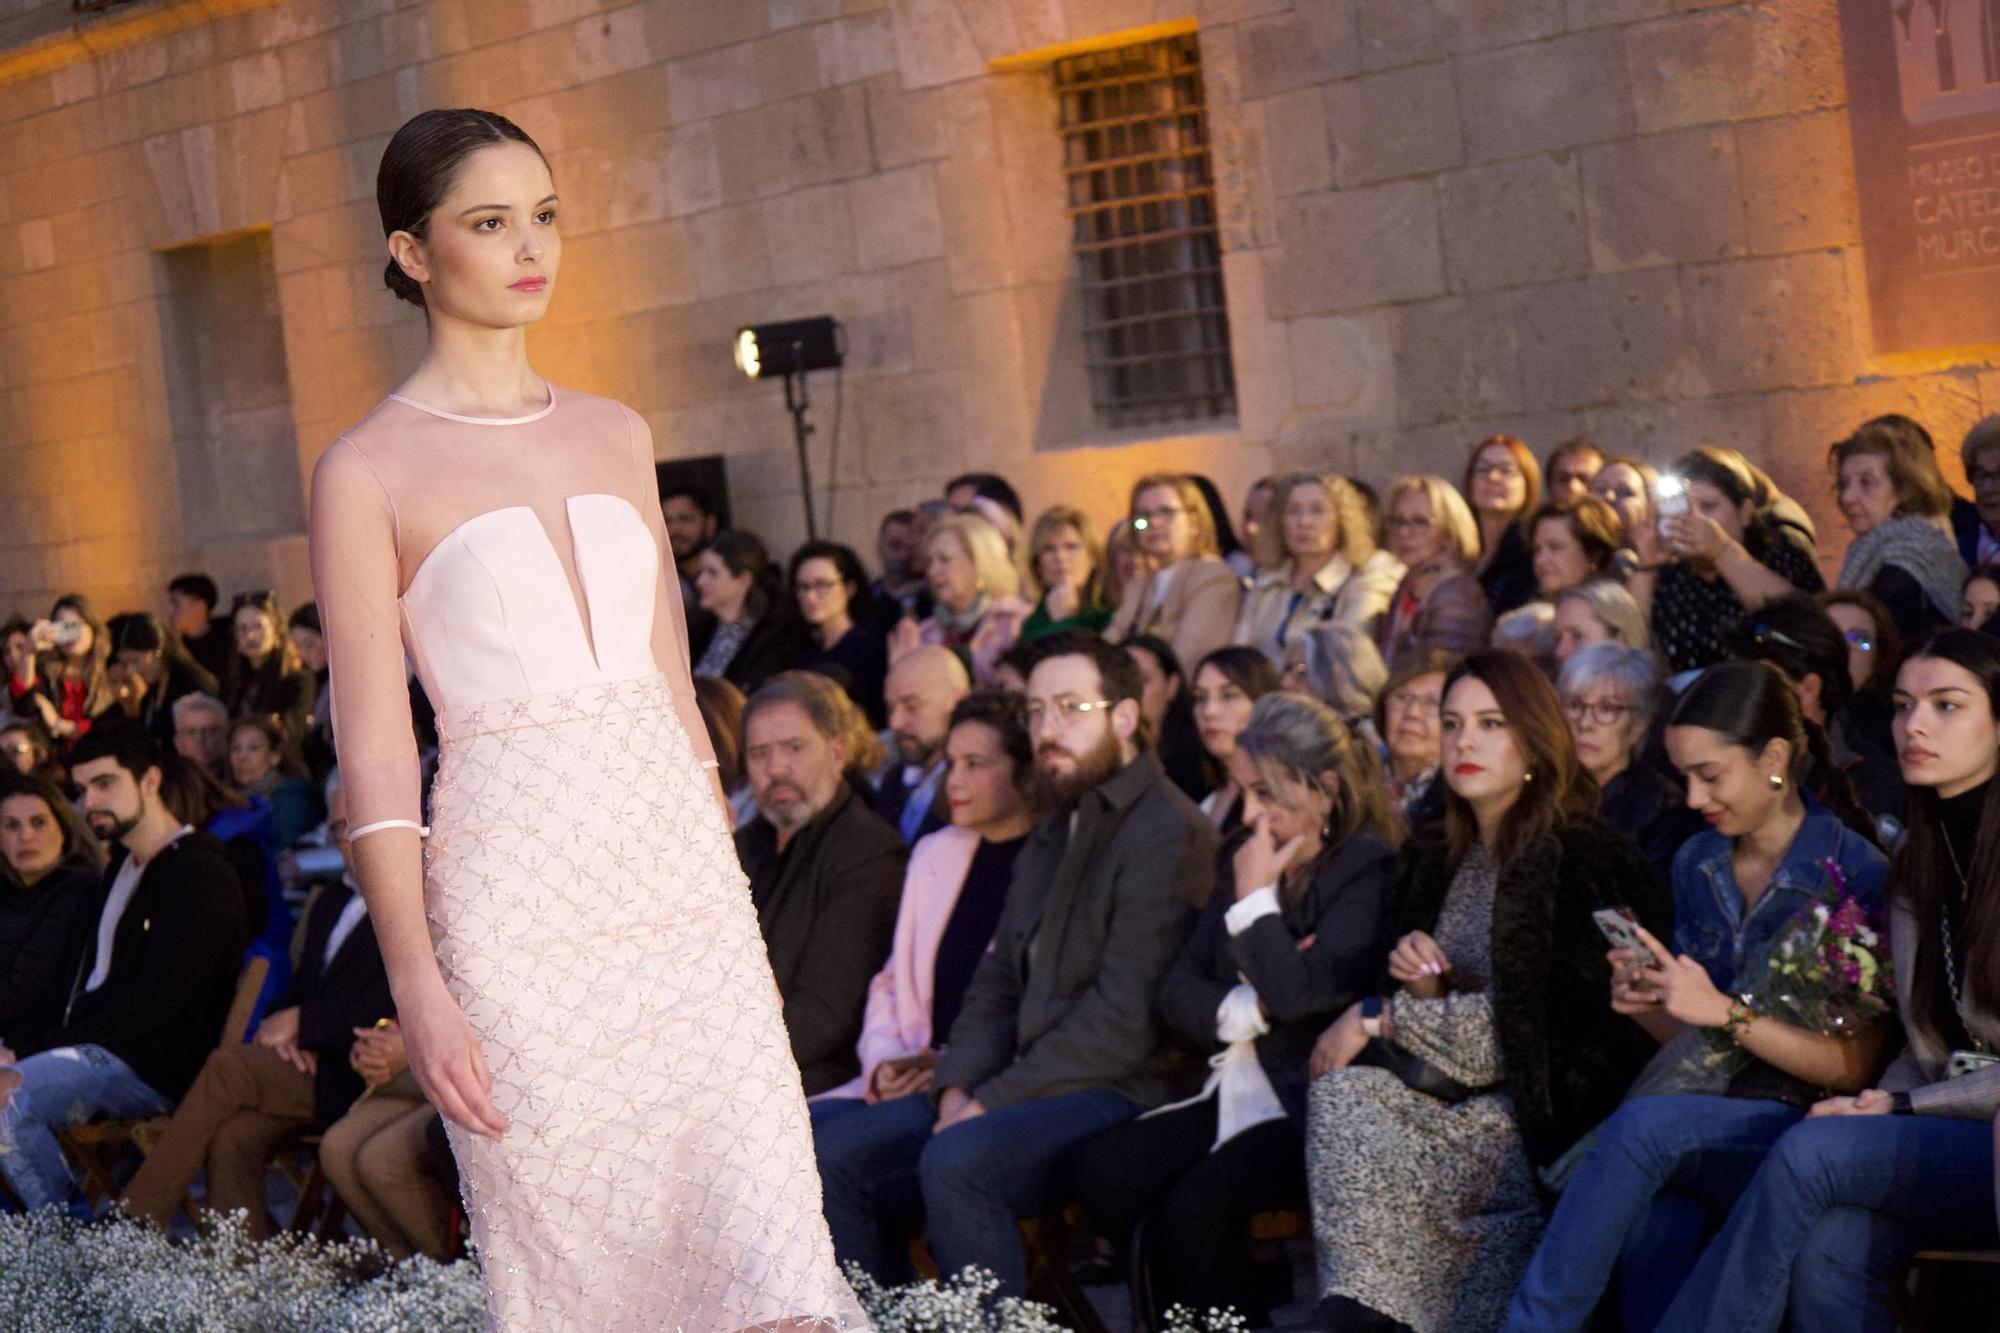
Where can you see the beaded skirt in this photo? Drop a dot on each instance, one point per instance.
(590, 916)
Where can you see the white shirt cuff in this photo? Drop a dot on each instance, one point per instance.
(1251, 907)
(1237, 1018)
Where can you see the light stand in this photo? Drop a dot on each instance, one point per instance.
(801, 346)
(797, 402)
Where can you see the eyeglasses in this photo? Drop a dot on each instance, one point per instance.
(1861, 639)
(1410, 522)
(1495, 471)
(1603, 714)
(819, 587)
(1414, 703)
(1066, 707)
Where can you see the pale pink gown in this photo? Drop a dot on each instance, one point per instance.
(583, 892)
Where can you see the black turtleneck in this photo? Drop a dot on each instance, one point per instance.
(1958, 823)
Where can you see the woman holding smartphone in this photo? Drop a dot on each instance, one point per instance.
(1661, 1167)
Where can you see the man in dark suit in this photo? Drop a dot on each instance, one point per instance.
(923, 687)
(161, 950)
(1057, 1039)
(250, 1099)
(826, 874)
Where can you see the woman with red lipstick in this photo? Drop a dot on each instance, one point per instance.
(1227, 685)
(1646, 1193)
(1850, 1193)
(1433, 1108)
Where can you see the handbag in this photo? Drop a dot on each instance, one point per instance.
(1417, 1073)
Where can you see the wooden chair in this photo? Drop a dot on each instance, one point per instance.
(97, 1146)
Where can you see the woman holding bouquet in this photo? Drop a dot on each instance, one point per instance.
(1848, 1195)
(1731, 1077)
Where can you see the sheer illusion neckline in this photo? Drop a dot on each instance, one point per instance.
(535, 415)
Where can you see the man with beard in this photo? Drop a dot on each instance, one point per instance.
(1056, 1039)
(154, 982)
(826, 874)
(922, 688)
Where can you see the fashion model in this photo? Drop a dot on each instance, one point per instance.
(582, 986)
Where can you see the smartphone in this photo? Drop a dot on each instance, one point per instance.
(1621, 926)
(1670, 499)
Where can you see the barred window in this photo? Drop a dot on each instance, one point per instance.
(1142, 225)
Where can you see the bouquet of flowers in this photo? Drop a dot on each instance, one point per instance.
(1828, 973)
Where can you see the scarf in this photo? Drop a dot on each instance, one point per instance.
(1918, 547)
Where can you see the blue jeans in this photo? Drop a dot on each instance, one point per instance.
(61, 1088)
(976, 1180)
(1838, 1205)
(1654, 1184)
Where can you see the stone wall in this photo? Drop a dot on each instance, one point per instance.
(1631, 219)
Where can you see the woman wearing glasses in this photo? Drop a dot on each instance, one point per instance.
(1406, 722)
(1190, 597)
(831, 589)
(1646, 1192)
(1502, 482)
(1609, 693)
(1439, 605)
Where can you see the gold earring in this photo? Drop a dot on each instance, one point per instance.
(1777, 782)
(1528, 776)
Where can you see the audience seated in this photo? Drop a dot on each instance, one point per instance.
(1169, 713)
(1189, 598)
(30, 751)
(1341, 667)
(976, 608)
(1571, 470)
(309, 640)
(293, 1078)
(924, 686)
(1979, 596)
(900, 590)
(191, 619)
(265, 676)
(70, 683)
(1440, 603)
(1319, 565)
(1227, 685)
(201, 733)
(1610, 694)
(1406, 727)
(1287, 941)
(51, 865)
(263, 766)
(1503, 484)
(149, 673)
(1066, 568)
(825, 870)
(1598, 611)
(1898, 508)
(1664, 1164)
(1572, 544)
(1045, 1053)
(831, 590)
(1976, 523)
(1848, 1194)
(162, 943)
(382, 1157)
(721, 707)
(754, 635)
(1431, 1111)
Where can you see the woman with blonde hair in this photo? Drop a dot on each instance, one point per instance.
(1320, 565)
(1190, 598)
(1066, 567)
(1600, 611)
(1440, 603)
(977, 607)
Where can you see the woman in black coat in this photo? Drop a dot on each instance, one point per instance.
(50, 867)
(1287, 941)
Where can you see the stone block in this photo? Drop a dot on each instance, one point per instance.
(1605, 339)
(792, 13)
(787, 64)
(896, 218)
(855, 48)
(1762, 324)
(1513, 223)
(616, 183)
(1344, 366)
(804, 141)
(1659, 431)
(1664, 199)
(694, 179)
(808, 234)
(1542, 95)
(490, 21)
(1297, 152)
(1606, 13)
(38, 244)
(711, 83)
(1401, 122)
(909, 425)
(256, 82)
(1354, 248)
(606, 44)
(1458, 359)
(933, 43)
(1403, 32)
(904, 125)
(656, 263)
(728, 249)
(1797, 175)
(1303, 49)
(679, 27)
(1258, 349)
(1735, 63)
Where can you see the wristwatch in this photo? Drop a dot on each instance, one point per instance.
(1371, 1016)
(1899, 1103)
(1740, 1014)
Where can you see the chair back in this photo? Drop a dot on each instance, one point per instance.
(236, 1026)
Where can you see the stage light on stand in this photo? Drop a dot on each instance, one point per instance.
(793, 348)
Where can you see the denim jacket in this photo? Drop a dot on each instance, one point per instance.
(1710, 924)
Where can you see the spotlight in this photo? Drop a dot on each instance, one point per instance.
(794, 348)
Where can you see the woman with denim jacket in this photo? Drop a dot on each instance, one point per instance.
(1850, 1193)
(1644, 1193)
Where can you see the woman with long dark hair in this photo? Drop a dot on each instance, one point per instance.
(1663, 1166)
(1502, 483)
(1433, 1108)
(1288, 940)
(1227, 685)
(71, 683)
(756, 635)
(831, 591)
(1850, 1193)
(51, 865)
(266, 677)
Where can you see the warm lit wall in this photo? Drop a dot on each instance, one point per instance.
(1626, 218)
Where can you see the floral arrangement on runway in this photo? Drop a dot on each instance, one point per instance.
(58, 1275)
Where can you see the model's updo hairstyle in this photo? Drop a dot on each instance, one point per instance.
(417, 170)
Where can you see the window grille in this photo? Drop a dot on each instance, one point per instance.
(1142, 226)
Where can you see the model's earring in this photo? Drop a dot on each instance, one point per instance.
(1777, 782)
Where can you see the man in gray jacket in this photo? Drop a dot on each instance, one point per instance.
(1057, 1039)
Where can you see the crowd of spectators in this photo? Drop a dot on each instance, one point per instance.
(1228, 863)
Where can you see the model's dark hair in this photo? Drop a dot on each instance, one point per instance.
(1915, 884)
(1751, 704)
(1796, 635)
(1558, 789)
(1005, 714)
(418, 168)
(860, 604)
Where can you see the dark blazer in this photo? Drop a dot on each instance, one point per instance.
(778, 642)
(1509, 577)
(827, 907)
(1651, 809)
(892, 798)
(859, 664)
(1567, 1058)
(38, 940)
(335, 997)
(1065, 1000)
(1340, 910)
(174, 961)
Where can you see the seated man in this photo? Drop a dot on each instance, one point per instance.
(923, 687)
(156, 977)
(826, 873)
(1057, 1038)
(294, 1078)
